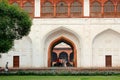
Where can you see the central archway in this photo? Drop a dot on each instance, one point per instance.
(67, 41)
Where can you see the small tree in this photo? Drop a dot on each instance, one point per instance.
(14, 24)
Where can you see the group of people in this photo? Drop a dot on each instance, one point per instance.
(62, 63)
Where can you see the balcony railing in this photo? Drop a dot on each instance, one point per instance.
(109, 14)
(76, 14)
(47, 15)
(95, 15)
(60, 15)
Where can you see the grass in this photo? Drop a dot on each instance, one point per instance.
(59, 77)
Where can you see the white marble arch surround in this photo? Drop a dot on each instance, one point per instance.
(67, 33)
(106, 43)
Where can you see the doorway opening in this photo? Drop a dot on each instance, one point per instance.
(62, 53)
(108, 59)
(15, 61)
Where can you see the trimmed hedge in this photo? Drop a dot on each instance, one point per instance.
(61, 73)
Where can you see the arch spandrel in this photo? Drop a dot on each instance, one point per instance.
(60, 31)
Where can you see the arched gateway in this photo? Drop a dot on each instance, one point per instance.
(67, 41)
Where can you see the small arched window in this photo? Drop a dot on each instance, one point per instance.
(95, 9)
(108, 9)
(118, 7)
(63, 55)
(118, 10)
(15, 3)
(47, 9)
(76, 9)
(53, 56)
(28, 7)
(62, 9)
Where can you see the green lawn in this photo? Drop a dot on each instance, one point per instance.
(59, 77)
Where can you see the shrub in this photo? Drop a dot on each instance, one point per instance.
(62, 73)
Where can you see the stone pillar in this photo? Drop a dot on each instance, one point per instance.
(54, 10)
(86, 8)
(37, 8)
(69, 10)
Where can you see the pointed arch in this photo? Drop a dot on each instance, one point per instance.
(47, 9)
(106, 30)
(76, 9)
(62, 29)
(54, 56)
(118, 9)
(15, 3)
(61, 9)
(95, 9)
(109, 9)
(28, 6)
(60, 34)
(96, 6)
(108, 6)
(63, 55)
(56, 41)
(105, 43)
